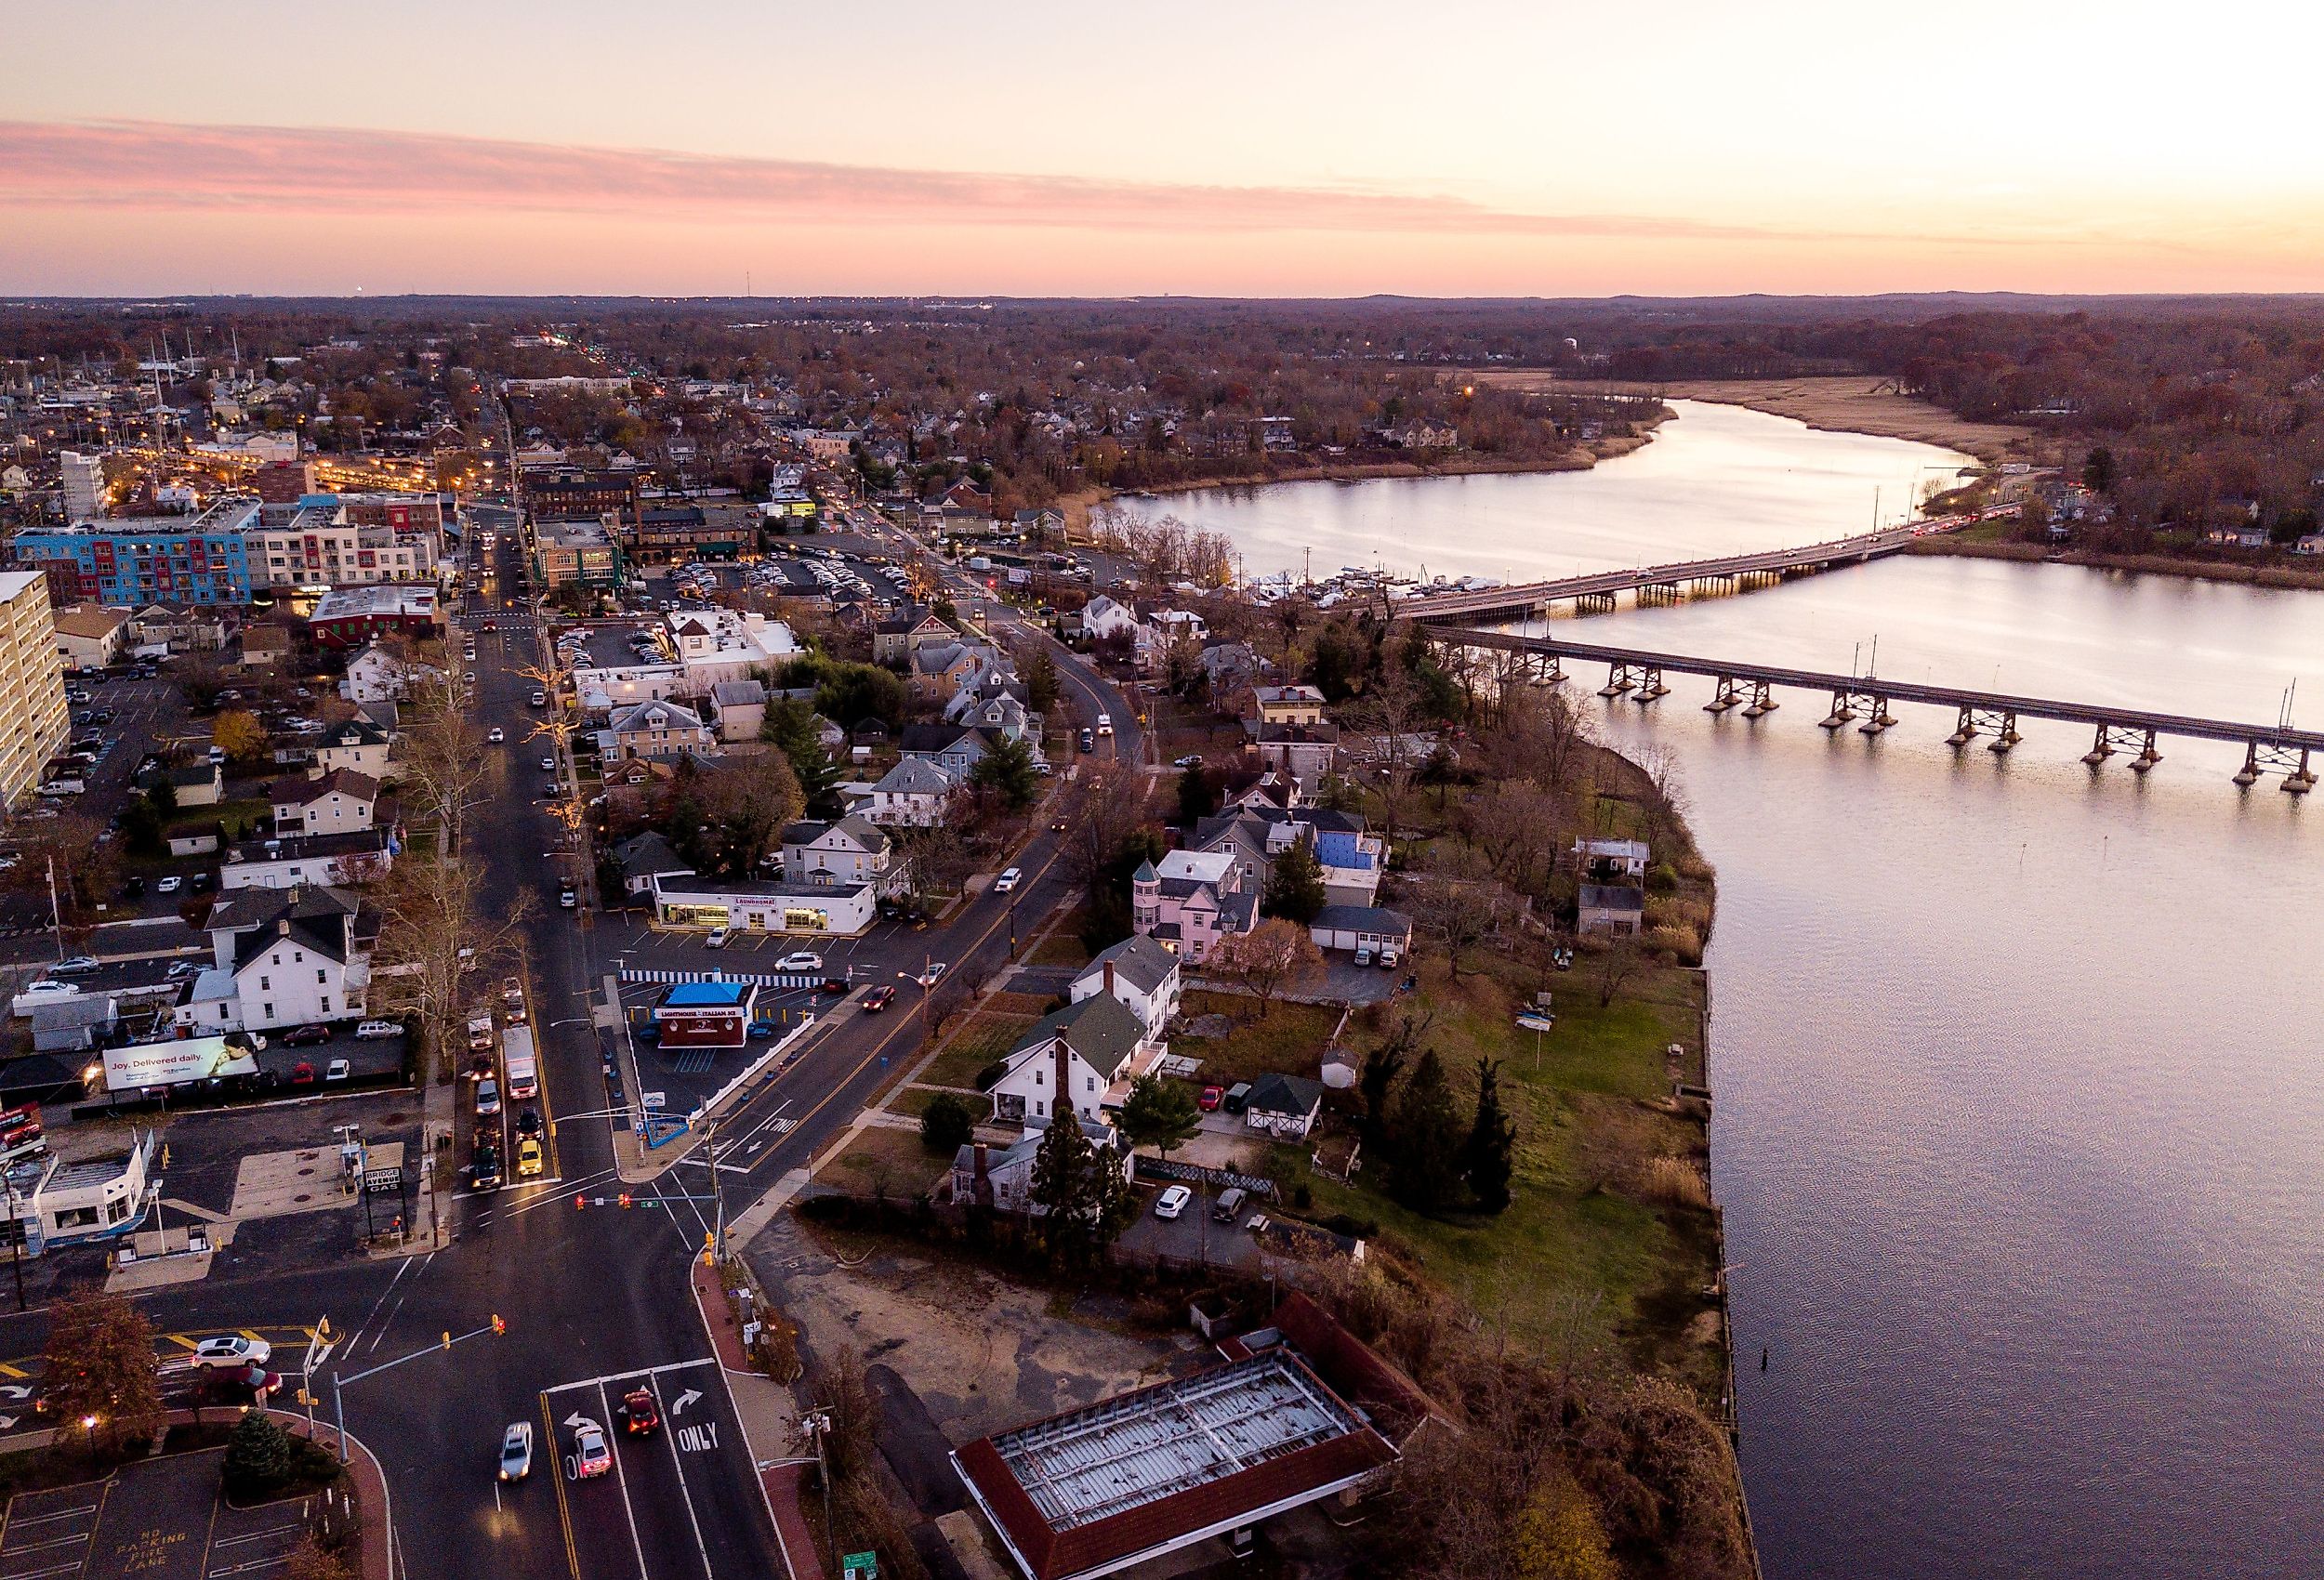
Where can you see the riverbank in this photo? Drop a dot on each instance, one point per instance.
(1077, 507)
(2290, 578)
(1864, 404)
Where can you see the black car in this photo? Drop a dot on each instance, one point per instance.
(484, 1173)
(529, 1123)
(1089, 741)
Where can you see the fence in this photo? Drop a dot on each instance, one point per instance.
(1193, 1174)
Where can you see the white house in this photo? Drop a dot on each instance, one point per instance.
(338, 860)
(914, 794)
(377, 676)
(837, 855)
(1002, 1179)
(280, 957)
(1102, 616)
(339, 802)
(1140, 973)
(359, 745)
(1090, 1052)
(1612, 861)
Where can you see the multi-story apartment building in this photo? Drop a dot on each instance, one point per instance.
(33, 723)
(83, 477)
(141, 559)
(313, 543)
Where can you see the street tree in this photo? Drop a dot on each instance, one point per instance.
(1276, 955)
(1159, 1112)
(1613, 968)
(432, 929)
(238, 734)
(102, 1386)
(1488, 1158)
(1005, 772)
(1295, 883)
(442, 763)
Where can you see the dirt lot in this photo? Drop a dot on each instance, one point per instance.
(980, 1353)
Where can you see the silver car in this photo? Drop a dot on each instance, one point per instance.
(516, 1452)
(232, 1350)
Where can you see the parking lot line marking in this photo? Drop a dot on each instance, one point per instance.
(55, 1569)
(248, 1334)
(60, 1514)
(181, 1339)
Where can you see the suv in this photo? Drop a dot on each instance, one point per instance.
(214, 1354)
(372, 1029)
(305, 1036)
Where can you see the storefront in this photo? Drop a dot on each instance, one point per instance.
(784, 908)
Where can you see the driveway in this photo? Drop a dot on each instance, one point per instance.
(1192, 1236)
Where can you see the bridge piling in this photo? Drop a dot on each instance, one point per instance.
(1965, 730)
(2248, 774)
(1762, 700)
(1724, 694)
(1842, 711)
(1877, 718)
(1651, 688)
(2302, 780)
(2147, 757)
(2100, 749)
(1617, 681)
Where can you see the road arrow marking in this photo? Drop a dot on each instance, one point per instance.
(15, 1390)
(678, 1405)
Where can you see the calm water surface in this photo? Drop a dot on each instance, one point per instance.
(2019, 1116)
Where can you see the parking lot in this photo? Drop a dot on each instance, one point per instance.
(155, 1519)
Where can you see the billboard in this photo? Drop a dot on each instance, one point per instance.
(145, 1065)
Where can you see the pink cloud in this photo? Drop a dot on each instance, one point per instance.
(153, 166)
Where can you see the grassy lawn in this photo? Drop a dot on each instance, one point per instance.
(1060, 948)
(984, 1037)
(912, 1102)
(239, 816)
(880, 1157)
(1287, 1041)
(1592, 1244)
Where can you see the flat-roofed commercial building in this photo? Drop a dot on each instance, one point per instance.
(569, 552)
(34, 725)
(1296, 1413)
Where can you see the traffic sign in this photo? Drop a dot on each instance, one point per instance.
(864, 1564)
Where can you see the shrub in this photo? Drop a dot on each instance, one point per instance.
(1302, 1198)
(946, 1124)
(1662, 879)
(1674, 1183)
(990, 1073)
(257, 1456)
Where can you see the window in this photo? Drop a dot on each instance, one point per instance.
(1092, 1082)
(1039, 1112)
(265, 984)
(267, 1010)
(319, 975)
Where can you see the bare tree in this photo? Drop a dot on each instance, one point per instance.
(1613, 966)
(1515, 826)
(432, 933)
(1106, 808)
(440, 760)
(1458, 902)
(1274, 955)
(1391, 710)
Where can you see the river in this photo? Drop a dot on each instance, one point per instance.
(2018, 1120)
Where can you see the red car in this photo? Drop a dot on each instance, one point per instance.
(1212, 1097)
(302, 1074)
(305, 1036)
(879, 998)
(832, 985)
(638, 1412)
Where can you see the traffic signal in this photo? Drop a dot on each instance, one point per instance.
(580, 1203)
(448, 1338)
(626, 1200)
(499, 1327)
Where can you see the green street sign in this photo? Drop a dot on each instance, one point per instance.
(864, 1564)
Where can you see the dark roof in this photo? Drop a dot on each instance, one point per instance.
(931, 740)
(648, 853)
(299, 791)
(1284, 1094)
(1364, 918)
(1100, 1029)
(1613, 897)
(1144, 963)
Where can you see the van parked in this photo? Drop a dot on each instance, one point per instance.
(1229, 1204)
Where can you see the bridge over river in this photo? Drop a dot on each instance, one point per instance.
(1865, 700)
(1661, 583)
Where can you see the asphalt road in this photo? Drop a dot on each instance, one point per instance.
(595, 1301)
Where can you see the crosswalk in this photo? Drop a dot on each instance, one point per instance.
(667, 977)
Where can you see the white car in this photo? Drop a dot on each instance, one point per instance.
(540, 699)
(548, 765)
(716, 938)
(49, 987)
(375, 1029)
(496, 735)
(933, 975)
(169, 884)
(591, 1454)
(1007, 881)
(805, 960)
(1172, 1202)
(232, 1350)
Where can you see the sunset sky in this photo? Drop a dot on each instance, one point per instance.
(1452, 149)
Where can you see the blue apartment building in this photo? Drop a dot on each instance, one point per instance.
(142, 560)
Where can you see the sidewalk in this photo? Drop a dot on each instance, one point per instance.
(769, 1413)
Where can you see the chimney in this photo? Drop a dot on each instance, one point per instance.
(1063, 1107)
(983, 1170)
(1109, 979)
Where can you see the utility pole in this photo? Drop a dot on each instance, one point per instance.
(818, 1425)
(56, 916)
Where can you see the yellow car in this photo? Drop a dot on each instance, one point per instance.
(528, 1158)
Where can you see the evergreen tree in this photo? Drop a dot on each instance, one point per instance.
(1005, 773)
(790, 724)
(1425, 1140)
(1381, 1066)
(257, 1456)
(1295, 884)
(1489, 1157)
(1084, 1198)
(945, 1124)
(1160, 1114)
(1040, 681)
(1196, 798)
